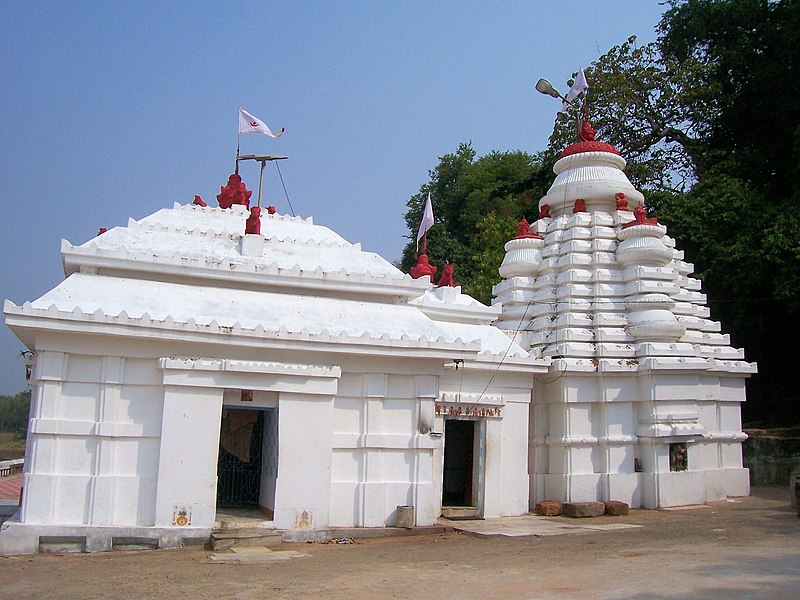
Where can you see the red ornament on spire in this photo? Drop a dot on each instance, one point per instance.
(640, 218)
(588, 143)
(523, 231)
(253, 223)
(234, 192)
(446, 278)
(423, 267)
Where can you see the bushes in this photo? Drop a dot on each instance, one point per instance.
(14, 412)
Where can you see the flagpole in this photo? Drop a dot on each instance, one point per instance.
(260, 181)
(236, 167)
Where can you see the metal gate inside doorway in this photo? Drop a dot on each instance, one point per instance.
(240, 456)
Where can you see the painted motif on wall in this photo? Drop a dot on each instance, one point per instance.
(303, 519)
(181, 515)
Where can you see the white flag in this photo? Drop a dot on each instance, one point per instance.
(427, 220)
(250, 124)
(579, 85)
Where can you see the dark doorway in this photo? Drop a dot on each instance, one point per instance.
(459, 445)
(239, 466)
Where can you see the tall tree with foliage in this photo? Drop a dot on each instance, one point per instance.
(477, 203)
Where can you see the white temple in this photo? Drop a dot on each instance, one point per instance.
(183, 366)
(642, 398)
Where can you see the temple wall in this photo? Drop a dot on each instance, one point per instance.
(380, 460)
(608, 438)
(501, 412)
(93, 440)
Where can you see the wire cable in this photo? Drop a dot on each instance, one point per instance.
(284, 189)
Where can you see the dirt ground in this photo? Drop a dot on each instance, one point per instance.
(746, 548)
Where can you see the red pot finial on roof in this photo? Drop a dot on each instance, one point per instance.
(621, 200)
(423, 267)
(580, 206)
(544, 211)
(198, 201)
(271, 209)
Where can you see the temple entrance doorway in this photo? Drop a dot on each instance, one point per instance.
(461, 461)
(247, 464)
(240, 458)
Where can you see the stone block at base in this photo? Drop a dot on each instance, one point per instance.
(548, 508)
(584, 509)
(615, 508)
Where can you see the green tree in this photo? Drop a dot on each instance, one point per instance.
(14, 412)
(652, 109)
(477, 204)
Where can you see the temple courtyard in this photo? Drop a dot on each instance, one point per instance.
(739, 548)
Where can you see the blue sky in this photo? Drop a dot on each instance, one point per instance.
(113, 110)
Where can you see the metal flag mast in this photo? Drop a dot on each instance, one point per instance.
(579, 85)
(263, 159)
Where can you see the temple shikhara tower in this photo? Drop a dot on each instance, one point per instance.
(642, 399)
(204, 358)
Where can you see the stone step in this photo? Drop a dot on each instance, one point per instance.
(224, 539)
(461, 512)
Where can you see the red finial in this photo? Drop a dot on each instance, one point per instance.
(622, 201)
(640, 218)
(253, 223)
(587, 142)
(587, 132)
(580, 206)
(234, 192)
(101, 231)
(446, 278)
(198, 201)
(523, 230)
(544, 211)
(271, 209)
(423, 267)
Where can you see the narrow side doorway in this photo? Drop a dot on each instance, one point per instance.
(458, 479)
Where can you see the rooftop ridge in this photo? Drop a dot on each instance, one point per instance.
(75, 257)
(240, 209)
(404, 340)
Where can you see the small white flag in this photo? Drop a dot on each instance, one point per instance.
(427, 220)
(579, 85)
(250, 124)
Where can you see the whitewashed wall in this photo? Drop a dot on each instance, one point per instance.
(380, 460)
(93, 440)
(588, 430)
